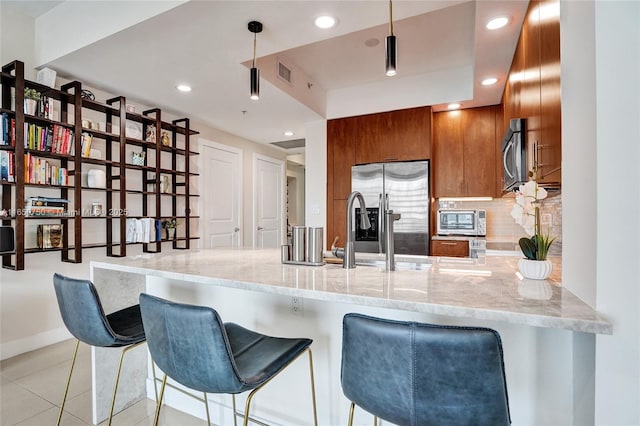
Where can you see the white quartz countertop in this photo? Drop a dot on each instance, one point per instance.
(452, 287)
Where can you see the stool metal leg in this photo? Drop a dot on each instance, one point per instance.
(66, 390)
(157, 417)
(206, 407)
(313, 389)
(235, 411)
(351, 409)
(115, 386)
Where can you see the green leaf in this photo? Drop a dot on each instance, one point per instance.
(529, 248)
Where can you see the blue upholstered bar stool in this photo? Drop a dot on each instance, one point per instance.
(195, 348)
(84, 317)
(410, 373)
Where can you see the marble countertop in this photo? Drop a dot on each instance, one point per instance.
(454, 287)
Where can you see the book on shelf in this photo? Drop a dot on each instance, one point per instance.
(40, 171)
(87, 138)
(46, 206)
(7, 168)
(50, 236)
(8, 130)
(56, 139)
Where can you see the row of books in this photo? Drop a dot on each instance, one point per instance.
(39, 170)
(56, 139)
(7, 166)
(46, 206)
(8, 130)
(45, 108)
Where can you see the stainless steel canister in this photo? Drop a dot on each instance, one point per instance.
(315, 244)
(298, 242)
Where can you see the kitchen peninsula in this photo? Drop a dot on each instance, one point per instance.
(252, 288)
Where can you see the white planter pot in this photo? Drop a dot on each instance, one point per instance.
(30, 106)
(535, 269)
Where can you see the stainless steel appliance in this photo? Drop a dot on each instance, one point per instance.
(462, 222)
(402, 187)
(514, 155)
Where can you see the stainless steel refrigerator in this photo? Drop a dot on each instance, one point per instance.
(402, 187)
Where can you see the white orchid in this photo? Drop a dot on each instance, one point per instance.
(526, 212)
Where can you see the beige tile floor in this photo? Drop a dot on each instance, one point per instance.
(32, 384)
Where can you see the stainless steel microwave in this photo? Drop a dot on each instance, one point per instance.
(462, 222)
(514, 155)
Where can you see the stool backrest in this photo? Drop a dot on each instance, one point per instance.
(82, 311)
(412, 373)
(189, 343)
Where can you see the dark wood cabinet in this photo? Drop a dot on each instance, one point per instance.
(450, 248)
(464, 153)
(532, 90)
(402, 135)
(131, 189)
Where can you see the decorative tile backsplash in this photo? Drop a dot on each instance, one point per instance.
(502, 228)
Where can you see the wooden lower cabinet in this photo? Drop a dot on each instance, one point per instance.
(450, 248)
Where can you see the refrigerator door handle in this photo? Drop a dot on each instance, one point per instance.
(380, 223)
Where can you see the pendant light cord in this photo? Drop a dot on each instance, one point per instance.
(390, 18)
(254, 50)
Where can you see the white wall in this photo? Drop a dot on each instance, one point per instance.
(316, 174)
(617, 47)
(17, 39)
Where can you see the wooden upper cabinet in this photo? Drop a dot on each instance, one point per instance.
(341, 141)
(549, 150)
(401, 135)
(464, 153)
(533, 90)
(448, 174)
(479, 136)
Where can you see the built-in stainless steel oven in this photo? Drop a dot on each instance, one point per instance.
(462, 222)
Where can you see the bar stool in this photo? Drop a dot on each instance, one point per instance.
(410, 373)
(195, 348)
(84, 317)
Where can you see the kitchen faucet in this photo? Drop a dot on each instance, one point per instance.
(349, 252)
(390, 261)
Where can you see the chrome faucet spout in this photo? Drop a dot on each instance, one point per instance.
(349, 260)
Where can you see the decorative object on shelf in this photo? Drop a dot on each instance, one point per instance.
(96, 178)
(390, 47)
(165, 185)
(31, 99)
(87, 94)
(133, 130)
(255, 27)
(95, 154)
(526, 212)
(96, 208)
(7, 239)
(138, 158)
(50, 236)
(170, 227)
(46, 76)
(131, 108)
(151, 134)
(164, 139)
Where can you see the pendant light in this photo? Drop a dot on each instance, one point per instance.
(390, 44)
(255, 27)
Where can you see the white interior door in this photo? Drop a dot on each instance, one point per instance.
(221, 195)
(268, 190)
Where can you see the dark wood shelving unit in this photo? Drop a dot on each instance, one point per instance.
(160, 160)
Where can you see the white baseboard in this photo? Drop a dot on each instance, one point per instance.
(30, 343)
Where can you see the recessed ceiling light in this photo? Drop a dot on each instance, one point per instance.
(288, 133)
(453, 106)
(498, 22)
(183, 88)
(489, 81)
(372, 42)
(325, 21)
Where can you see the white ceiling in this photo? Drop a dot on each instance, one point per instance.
(207, 44)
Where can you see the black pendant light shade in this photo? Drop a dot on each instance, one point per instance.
(255, 27)
(255, 83)
(390, 47)
(392, 55)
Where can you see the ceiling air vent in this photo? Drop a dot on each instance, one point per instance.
(284, 72)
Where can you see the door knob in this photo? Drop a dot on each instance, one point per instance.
(236, 229)
(260, 228)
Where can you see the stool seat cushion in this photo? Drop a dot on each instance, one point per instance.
(194, 347)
